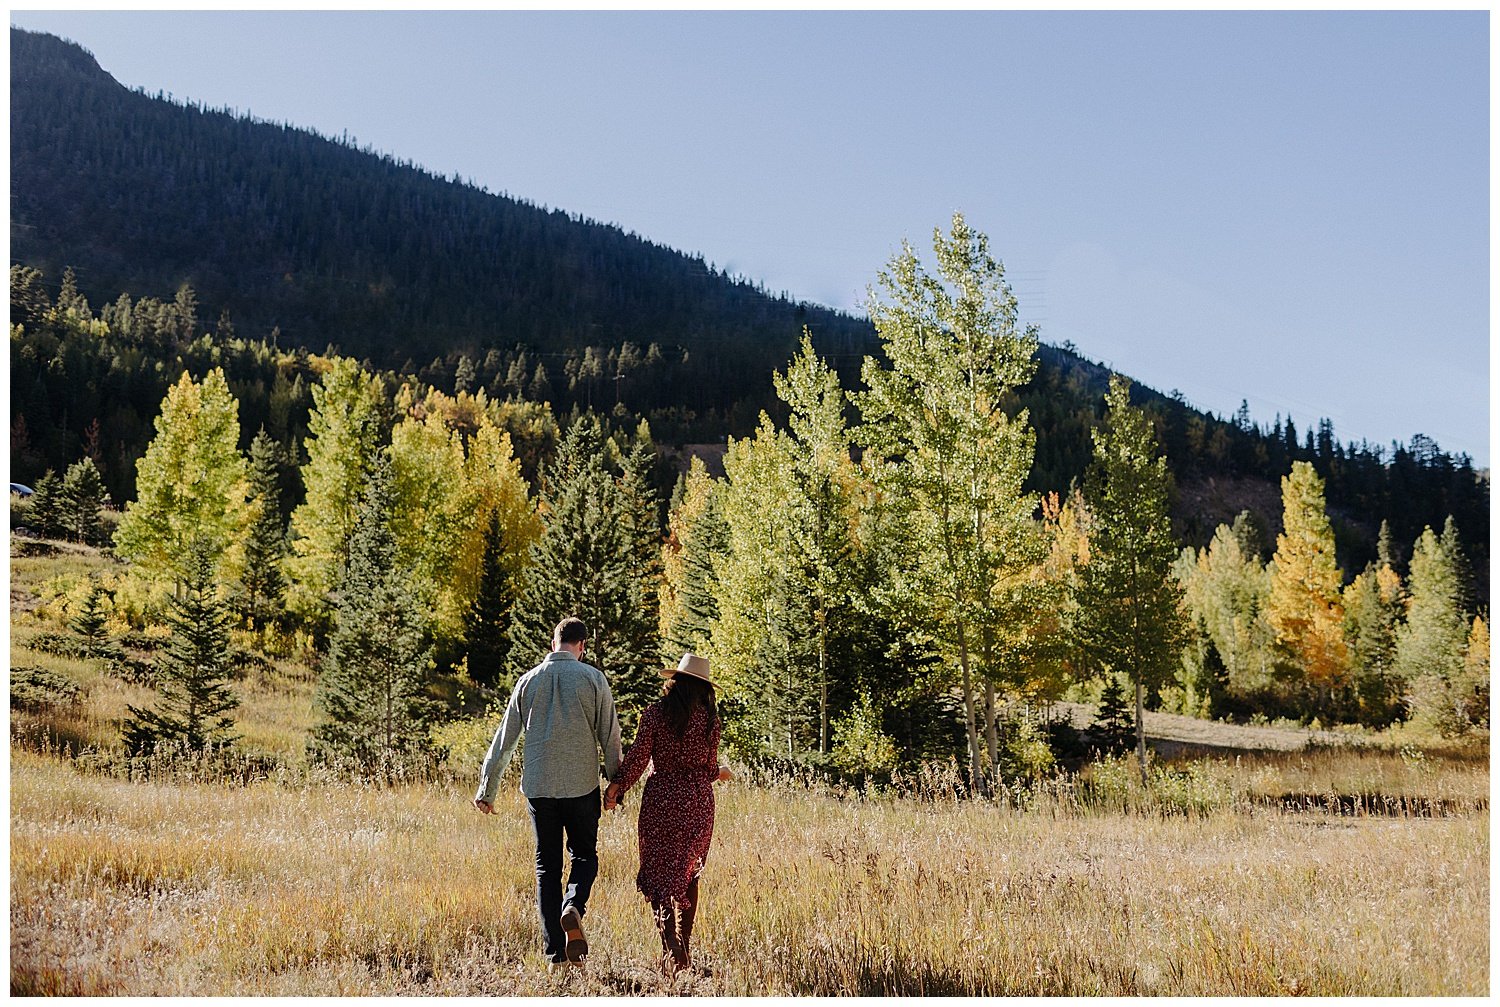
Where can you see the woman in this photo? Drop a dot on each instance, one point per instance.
(679, 736)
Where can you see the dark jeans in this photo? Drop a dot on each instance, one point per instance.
(551, 817)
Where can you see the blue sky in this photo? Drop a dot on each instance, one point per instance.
(1287, 208)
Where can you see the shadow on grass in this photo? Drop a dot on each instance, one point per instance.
(47, 981)
(1380, 805)
(51, 732)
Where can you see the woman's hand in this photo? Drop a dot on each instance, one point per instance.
(611, 797)
(725, 775)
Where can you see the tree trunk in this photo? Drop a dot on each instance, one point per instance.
(1140, 729)
(823, 682)
(991, 736)
(973, 733)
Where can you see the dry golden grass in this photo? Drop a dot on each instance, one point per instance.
(1200, 884)
(150, 888)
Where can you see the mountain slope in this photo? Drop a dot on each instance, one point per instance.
(285, 230)
(333, 245)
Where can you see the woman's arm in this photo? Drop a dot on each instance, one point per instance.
(721, 771)
(635, 760)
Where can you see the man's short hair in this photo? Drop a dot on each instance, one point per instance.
(571, 630)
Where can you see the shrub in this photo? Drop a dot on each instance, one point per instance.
(153, 638)
(465, 742)
(176, 761)
(134, 670)
(1024, 750)
(862, 747)
(1114, 784)
(59, 644)
(1070, 746)
(34, 688)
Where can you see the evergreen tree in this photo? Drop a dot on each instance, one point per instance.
(487, 629)
(896, 659)
(515, 376)
(47, 505)
(635, 680)
(371, 685)
(343, 438)
(1372, 612)
(29, 303)
(190, 485)
(582, 566)
(1132, 623)
(464, 376)
(696, 534)
(193, 675)
(262, 585)
(1113, 727)
(184, 314)
(1305, 608)
(69, 300)
(540, 388)
(82, 497)
(1460, 564)
(1250, 534)
(941, 442)
(1385, 552)
(90, 623)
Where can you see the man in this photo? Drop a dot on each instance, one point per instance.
(567, 713)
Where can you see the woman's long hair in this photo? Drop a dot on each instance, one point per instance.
(681, 696)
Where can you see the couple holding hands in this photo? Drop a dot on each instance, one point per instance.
(567, 713)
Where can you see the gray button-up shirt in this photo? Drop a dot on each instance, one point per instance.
(567, 713)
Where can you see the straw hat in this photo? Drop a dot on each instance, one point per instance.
(691, 664)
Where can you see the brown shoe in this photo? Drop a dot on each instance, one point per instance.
(577, 948)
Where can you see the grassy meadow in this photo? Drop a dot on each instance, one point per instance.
(1351, 869)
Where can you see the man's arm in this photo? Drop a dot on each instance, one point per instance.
(607, 724)
(501, 750)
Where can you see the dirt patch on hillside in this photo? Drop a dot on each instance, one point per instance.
(23, 545)
(22, 601)
(712, 455)
(1172, 734)
(1207, 503)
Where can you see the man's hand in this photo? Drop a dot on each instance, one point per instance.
(611, 797)
(485, 807)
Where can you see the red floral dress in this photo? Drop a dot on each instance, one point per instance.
(676, 821)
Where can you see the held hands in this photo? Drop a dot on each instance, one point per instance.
(612, 792)
(485, 807)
